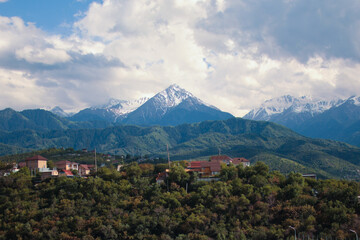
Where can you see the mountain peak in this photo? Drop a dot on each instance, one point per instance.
(172, 96)
(303, 104)
(354, 100)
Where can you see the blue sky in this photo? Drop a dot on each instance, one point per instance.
(56, 16)
(233, 54)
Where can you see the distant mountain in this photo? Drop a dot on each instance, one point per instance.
(41, 120)
(60, 112)
(276, 145)
(11, 120)
(35, 119)
(114, 110)
(337, 119)
(174, 106)
(171, 106)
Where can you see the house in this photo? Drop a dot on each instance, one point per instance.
(48, 173)
(221, 158)
(67, 165)
(205, 168)
(85, 169)
(161, 177)
(9, 168)
(243, 161)
(36, 163)
(213, 167)
(310, 175)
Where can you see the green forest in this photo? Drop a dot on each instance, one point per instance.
(247, 203)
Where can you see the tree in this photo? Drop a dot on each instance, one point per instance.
(178, 175)
(228, 172)
(50, 164)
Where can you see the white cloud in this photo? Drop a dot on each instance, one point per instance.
(2, 1)
(231, 54)
(46, 56)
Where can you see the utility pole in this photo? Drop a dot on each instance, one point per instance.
(167, 149)
(95, 162)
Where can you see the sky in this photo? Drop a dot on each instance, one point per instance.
(233, 54)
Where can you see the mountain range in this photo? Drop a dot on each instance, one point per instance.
(195, 130)
(337, 119)
(279, 147)
(172, 106)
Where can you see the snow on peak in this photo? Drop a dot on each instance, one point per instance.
(354, 100)
(172, 96)
(58, 111)
(121, 107)
(293, 104)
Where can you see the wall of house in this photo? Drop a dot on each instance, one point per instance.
(35, 164)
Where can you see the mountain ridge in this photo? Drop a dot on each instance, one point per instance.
(277, 145)
(318, 119)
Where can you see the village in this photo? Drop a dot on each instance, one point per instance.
(38, 166)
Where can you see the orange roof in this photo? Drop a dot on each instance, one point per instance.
(67, 172)
(195, 164)
(214, 166)
(37, 157)
(220, 158)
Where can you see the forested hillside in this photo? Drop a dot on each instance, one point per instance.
(281, 148)
(250, 203)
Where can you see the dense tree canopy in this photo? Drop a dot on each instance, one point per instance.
(247, 203)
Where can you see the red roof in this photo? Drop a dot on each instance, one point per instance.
(239, 160)
(195, 164)
(220, 158)
(22, 164)
(37, 157)
(84, 166)
(67, 172)
(214, 166)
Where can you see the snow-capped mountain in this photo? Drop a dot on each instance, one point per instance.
(60, 112)
(337, 119)
(173, 106)
(288, 104)
(111, 112)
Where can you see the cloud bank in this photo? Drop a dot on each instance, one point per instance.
(232, 54)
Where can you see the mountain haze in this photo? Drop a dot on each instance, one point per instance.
(336, 119)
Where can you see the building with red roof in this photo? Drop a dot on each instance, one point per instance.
(67, 165)
(221, 158)
(243, 161)
(85, 169)
(213, 167)
(36, 163)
